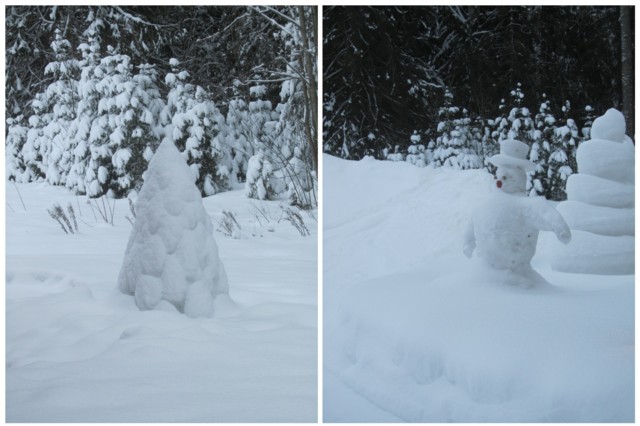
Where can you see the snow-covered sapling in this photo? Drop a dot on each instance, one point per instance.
(504, 228)
(171, 254)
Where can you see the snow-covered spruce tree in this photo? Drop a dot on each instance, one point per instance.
(240, 145)
(36, 143)
(520, 122)
(454, 145)
(141, 130)
(126, 131)
(16, 138)
(416, 153)
(57, 152)
(290, 151)
(261, 129)
(114, 78)
(562, 159)
(171, 254)
(47, 150)
(587, 119)
(287, 140)
(193, 124)
(541, 149)
(497, 130)
(87, 109)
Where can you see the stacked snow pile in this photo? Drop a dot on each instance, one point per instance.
(171, 254)
(600, 206)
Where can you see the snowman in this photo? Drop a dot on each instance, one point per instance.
(504, 227)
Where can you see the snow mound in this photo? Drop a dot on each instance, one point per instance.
(415, 332)
(171, 254)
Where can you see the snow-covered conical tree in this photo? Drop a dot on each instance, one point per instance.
(46, 151)
(114, 78)
(16, 138)
(62, 96)
(36, 143)
(521, 124)
(587, 119)
(272, 150)
(87, 109)
(454, 145)
(193, 123)
(171, 254)
(126, 131)
(240, 145)
(541, 148)
(562, 161)
(416, 152)
(141, 132)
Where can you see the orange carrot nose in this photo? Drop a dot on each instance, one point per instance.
(499, 183)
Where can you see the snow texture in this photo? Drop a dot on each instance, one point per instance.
(80, 351)
(600, 204)
(415, 332)
(171, 254)
(610, 126)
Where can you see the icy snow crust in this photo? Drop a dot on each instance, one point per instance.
(414, 331)
(78, 350)
(171, 254)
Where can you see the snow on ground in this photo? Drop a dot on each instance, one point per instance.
(414, 331)
(78, 350)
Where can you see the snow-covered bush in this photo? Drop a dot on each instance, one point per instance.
(259, 175)
(171, 254)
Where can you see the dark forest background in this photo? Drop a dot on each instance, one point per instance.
(91, 91)
(388, 71)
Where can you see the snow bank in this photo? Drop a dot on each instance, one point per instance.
(413, 331)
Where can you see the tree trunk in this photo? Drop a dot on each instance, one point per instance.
(312, 90)
(626, 52)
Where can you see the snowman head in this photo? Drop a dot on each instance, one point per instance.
(511, 179)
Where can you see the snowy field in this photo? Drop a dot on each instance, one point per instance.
(78, 350)
(414, 331)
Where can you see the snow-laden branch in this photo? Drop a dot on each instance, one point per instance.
(273, 21)
(138, 19)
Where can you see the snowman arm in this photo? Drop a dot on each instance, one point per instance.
(469, 240)
(546, 218)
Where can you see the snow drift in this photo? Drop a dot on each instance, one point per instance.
(79, 350)
(416, 332)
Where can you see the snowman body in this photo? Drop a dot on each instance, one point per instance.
(504, 228)
(504, 235)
